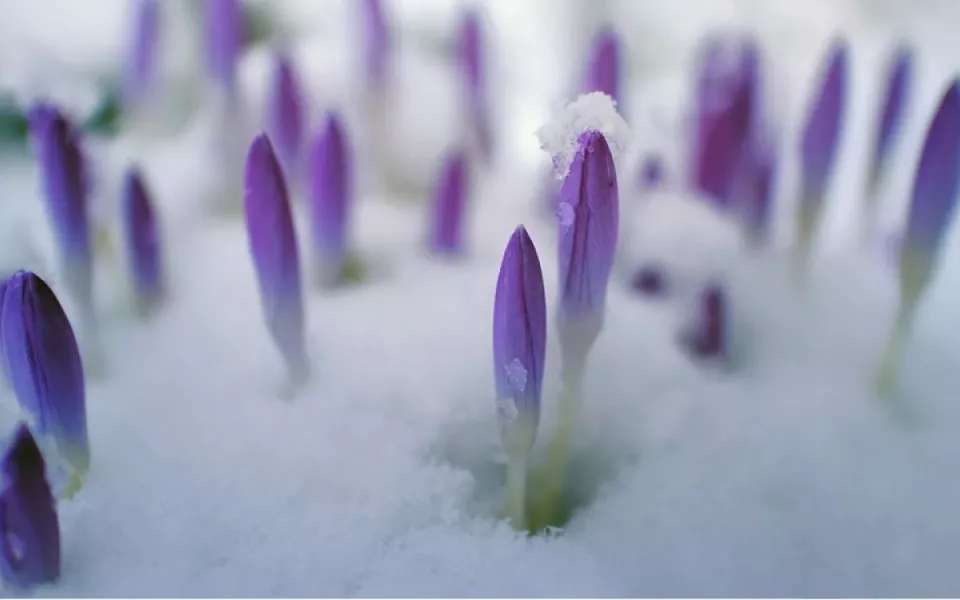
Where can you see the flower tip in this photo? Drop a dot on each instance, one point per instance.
(707, 335)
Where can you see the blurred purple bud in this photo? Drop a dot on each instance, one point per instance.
(519, 341)
(895, 101)
(758, 171)
(651, 172)
(821, 140)
(649, 280)
(44, 367)
(29, 528)
(285, 118)
(934, 197)
(603, 69)
(273, 247)
(65, 192)
(474, 73)
(378, 42)
(141, 65)
(223, 36)
(707, 337)
(449, 205)
(142, 241)
(726, 114)
(588, 215)
(330, 186)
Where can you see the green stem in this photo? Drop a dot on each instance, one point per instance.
(570, 397)
(517, 491)
(890, 364)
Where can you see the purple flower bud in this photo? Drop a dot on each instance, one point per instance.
(65, 189)
(603, 70)
(821, 141)
(649, 280)
(726, 115)
(897, 90)
(141, 63)
(519, 342)
(934, 195)
(377, 43)
(44, 367)
(223, 36)
(756, 189)
(651, 172)
(588, 225)
(29, 529)
(707, 338)
(449, 205)
(285, 115)
(273, 246)
(142, 242)
(475, 89)
(330, 186)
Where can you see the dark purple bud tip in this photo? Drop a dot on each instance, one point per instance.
(603, 69)
(449, 206)
(649, 280)
(285, 115)
(651, 172)
(707, 336)
(29, 530)
(142, 241)
(43, 363)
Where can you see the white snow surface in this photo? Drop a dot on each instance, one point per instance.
(782, 475)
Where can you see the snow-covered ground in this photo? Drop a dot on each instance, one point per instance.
(785, 475)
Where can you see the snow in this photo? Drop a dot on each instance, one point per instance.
(784, 476)
(589, 112)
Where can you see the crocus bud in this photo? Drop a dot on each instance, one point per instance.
(142, 242)
(223, 37)
(141, 63)
(651, 172)
(273, 247)
(376, 44)
(932, 206)
(475, 88)
(65, 189)
(649, 280)
(519, 342)
(707, 336)
(820, 143)
(285, 116)
(44, 367)
(756, 189)
(330, 187)
(449, 205)
(588, 214)
(895, 101)
(603, 70)
(726, 113)
(29, 529)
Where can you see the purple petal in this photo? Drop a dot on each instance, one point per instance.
(449, 205)
(330, 186)
(519, 333)
(378, 42)
(141, 63)
(142, 240)
(273, 246)
(588, 224)
(29, 528)
(223, 35)
(471, 61)
(898, 85)
(934, 191)
(603, 70)
(285, 115)
(43, 365)
(708, 336)
(821, 138)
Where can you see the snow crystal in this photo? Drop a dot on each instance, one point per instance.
(589, 112)
(507, 409)
(517, 375)
(566, 215)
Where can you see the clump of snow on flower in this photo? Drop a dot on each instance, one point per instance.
(589, 112)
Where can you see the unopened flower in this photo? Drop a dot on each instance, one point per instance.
(377, 44)
(141, 66)
(603, 69)
(649, 280)
(29, 528)
(142, 242)
(330, 190)
(651, 172)
(450, 205)
(891, 115)
(820, 142)
(285, 116)
(475, 86)
(273, 247)
(44, 367)
(707, 336)
(223, 38)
